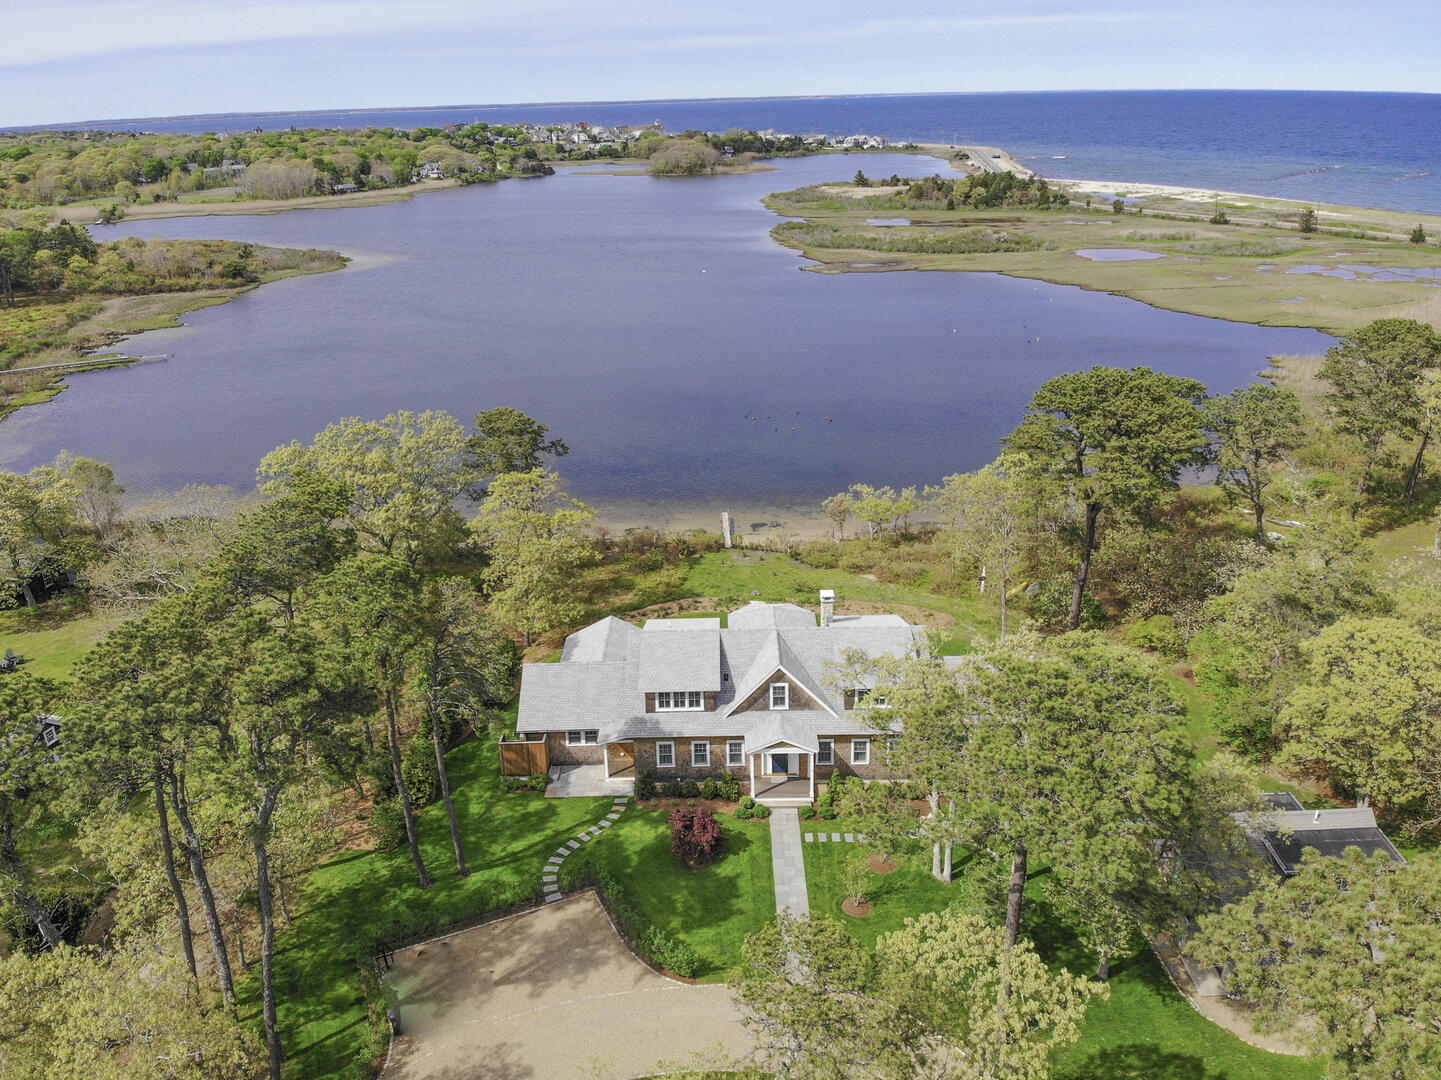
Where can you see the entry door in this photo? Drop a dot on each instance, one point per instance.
(781, 763)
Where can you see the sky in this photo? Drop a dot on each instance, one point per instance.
(73, 60)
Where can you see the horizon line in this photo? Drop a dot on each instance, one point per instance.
(719, 99)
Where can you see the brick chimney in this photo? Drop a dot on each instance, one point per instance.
(828, 606)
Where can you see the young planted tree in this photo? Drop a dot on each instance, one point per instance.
(29, 770)
(1115, 440)
(1254, 428)
(1369, 715)
(537, 538)
(1341, 957)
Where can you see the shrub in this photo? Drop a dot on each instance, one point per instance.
(748, 803)
(808, 812)
(1418, 235)
(417, 766)
(829, 813)
(689, 789)
(539, 781)
(695, 835)
(673, 954)
(730, 787)
(709, 789)
(645, 784)
(1051, 605)
(1160, 635)
(387, 825)
(1306, 222)
(744, 813)
(761, 812)
(856, 879)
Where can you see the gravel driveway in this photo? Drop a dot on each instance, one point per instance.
(552, 993)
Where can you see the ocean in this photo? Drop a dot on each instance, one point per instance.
(1360, 149)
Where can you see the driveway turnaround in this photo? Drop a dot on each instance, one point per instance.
(549, 993)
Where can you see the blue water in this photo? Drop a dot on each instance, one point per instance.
(1360, 149)
(653, 323)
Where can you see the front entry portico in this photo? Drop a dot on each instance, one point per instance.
(782, 772)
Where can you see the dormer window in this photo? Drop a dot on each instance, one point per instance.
(780, 695)
(863, 693)
(679, 701)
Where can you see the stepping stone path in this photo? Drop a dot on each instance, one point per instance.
(835, 838)
(549, 876)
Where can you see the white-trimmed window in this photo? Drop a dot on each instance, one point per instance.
(679, 701)
(736, 752)
(780, 695)
(863, 693)
(860, 751)
(589, 737)
(665, 755)
(700, 754)
(827, 753)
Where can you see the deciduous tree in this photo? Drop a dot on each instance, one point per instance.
(506, 440)
(403, 475)
(28, 769)
(1369, 714)
(536, 537)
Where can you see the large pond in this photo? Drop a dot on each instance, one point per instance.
(652, 323)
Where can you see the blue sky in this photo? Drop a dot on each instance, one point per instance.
(95, 59)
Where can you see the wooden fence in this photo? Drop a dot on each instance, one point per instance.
(520, 758)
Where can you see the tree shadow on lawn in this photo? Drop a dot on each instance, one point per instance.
(1138, 1061)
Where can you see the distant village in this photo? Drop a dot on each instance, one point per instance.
(596, 136)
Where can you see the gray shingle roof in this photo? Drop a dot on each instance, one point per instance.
(676, 660)
(761, 616)
(607, 668)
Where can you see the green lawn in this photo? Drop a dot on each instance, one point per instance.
(1145, 1031)
(50, 638)
(361, 895)
(712, 908)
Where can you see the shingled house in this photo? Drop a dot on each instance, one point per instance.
(691, 699)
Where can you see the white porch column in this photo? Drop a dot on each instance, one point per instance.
(753, 775)
(605, 756)
(811, 768)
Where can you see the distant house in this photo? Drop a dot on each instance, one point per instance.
(430, 170)
(690, 698)
(345, 189)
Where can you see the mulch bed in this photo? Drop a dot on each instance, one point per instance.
(881, 864)
(856, 911)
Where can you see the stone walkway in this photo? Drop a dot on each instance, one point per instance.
(788, 863)
(549, 875)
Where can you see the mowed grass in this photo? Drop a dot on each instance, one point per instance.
(361, 895)
(1146, 1030)
(712, 908)
(51, 638)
